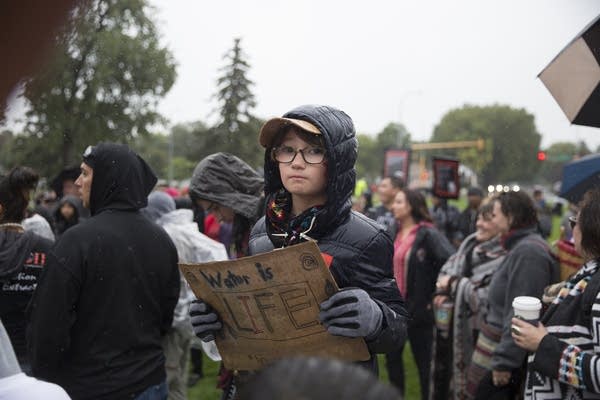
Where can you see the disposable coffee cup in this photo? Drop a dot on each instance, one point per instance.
(527, 308)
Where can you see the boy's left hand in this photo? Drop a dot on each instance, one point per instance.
(351, 312)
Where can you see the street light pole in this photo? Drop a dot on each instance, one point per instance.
(403, 97)
(170, 166)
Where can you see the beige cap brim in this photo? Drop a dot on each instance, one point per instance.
(273, 126)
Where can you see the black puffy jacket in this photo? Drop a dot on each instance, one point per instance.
(362, 252)
(429, 252)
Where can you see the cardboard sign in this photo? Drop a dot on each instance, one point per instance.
(269, 306)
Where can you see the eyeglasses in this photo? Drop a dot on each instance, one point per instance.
(287, 154)
(572, 222)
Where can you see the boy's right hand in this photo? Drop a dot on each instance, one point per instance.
(205, 321)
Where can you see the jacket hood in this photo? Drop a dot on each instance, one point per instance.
(122, 180)
(341, 148)
(40, 226)
(15, 248)
(159, 204)
(73, 201)
(227, 180)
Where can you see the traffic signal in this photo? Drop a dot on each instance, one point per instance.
(541, 155)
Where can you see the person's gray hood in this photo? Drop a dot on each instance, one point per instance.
(159, 204)
(227, 180)
(341, 145)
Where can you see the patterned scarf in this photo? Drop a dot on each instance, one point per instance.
(285, 228)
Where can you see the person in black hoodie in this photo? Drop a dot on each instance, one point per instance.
(22, 257)
(109, 290)
(66, 214)
(309, 180)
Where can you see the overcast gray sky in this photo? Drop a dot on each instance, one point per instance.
(380, 61)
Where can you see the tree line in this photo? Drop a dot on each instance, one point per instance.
(109, 71)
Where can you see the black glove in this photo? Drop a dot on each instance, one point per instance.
(351, 312)
(205, 321)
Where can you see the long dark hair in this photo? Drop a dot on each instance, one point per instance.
(589, 223)
(13, 193)
(418, 204)
(519, 207)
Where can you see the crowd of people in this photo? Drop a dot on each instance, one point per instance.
(93, 305)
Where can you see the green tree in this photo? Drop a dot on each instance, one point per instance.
(368, 163)
(511, 141)
(103, 81)
(238, 127)
(394, 135)
(194, 141)
(154, 148)
(6, 143)
(371, 150)
(582, 149)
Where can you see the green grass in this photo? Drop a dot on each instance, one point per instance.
(206, 388)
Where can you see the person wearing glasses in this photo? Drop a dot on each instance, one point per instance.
(565, 362)
(309, 180)
(528, 267)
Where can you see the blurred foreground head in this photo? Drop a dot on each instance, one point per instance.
(313, 378)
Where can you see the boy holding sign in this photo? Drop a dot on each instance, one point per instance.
(309, 179)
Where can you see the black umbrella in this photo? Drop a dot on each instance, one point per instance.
(579, 176)
(573, 77)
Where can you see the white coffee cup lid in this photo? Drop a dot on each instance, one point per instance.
(527, 303)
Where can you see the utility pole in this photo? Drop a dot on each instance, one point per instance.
(170, 167)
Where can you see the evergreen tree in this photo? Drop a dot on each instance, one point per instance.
(238, 128)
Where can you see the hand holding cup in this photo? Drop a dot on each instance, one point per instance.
(527, 331)
(526, 335)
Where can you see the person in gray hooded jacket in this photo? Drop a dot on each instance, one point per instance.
(228, 187)
(309, 179)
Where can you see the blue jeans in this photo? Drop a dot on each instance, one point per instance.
(156, 392)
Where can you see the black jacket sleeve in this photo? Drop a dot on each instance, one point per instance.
(374, 274)
(171, 295)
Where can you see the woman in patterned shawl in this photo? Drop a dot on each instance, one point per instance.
(565, 363)
(463, 281)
